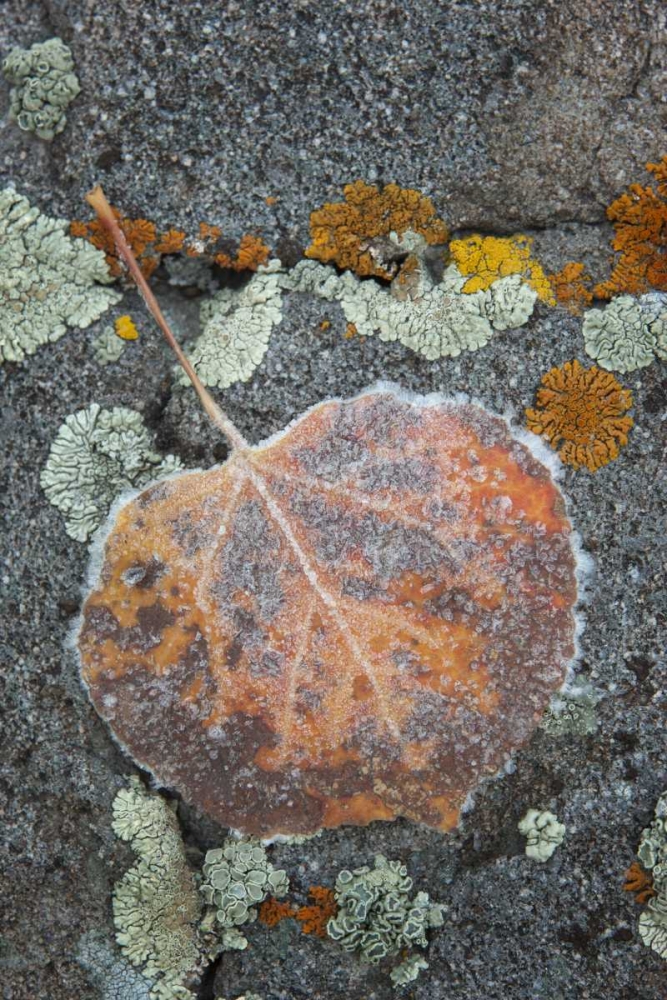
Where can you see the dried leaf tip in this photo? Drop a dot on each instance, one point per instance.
(98, 202)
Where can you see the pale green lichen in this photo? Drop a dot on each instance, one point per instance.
(408, 970)
(543, 834)
(435, 318)
(44, 84)
(48, 281)
(156, 906)
(236, 327)
(238, 877)
(628, 333)
(652, 853)
(572, 715)
(111, 974)
(376, 915)
(108, 347)
(96, 455)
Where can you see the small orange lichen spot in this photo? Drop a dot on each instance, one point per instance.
(350, 331)
(272, 911)
(640, 882)
(170, 242)
(209, 233)
(313, 919)
(640, 226)
(571, 287)
(581, 412)
(487, 258)
(271, 200)
(324, 325)
(139, 233)
(251, 253)
(343, 232)
(125, 328)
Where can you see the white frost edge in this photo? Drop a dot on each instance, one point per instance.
(584, 564)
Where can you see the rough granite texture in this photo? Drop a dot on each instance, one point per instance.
(524, 114)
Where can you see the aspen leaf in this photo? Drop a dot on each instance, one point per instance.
(354, 620)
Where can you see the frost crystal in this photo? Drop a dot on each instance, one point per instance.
(156, 907)
(44, 85)
(237, 878)
(436, 319)
(543, 832)
(376, 915)
(96, 455)
(48, 281)
(628, 333)
(237, 326)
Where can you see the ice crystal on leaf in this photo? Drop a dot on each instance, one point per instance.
(357, 619)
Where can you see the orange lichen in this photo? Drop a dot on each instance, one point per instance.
(313, 919)
(571, 287)
(343, 232)
(251, 253)
(640, 226)
(271, 200)
(487, 258)
(324, 325)
(141, 234)
(350, 331)
(170, 242)
(272, 911)
(640, 882)
(581, 412)
(125, 328)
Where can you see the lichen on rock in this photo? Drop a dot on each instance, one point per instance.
(156, 906)
(44, 84)
(96, 455)
(485, 259)
(237, 326)
(363, 233)
(108, 347)
(628, 333)
(652, 853)
(376, 915)
(543, 834)
(48, 281)
(433, 318)
(238, 877)
(582, 413)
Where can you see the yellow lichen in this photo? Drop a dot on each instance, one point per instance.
(640, 226)
(125, 328)
(571, 287)
(581, 413)
(343, 232)
(487, 258)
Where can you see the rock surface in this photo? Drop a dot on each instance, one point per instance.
(511, 115)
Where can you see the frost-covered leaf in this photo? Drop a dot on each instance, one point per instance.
(357, 619)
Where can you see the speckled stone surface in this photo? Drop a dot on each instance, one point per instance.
(514, 115)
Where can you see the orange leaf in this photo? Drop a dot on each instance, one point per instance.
(355, 620)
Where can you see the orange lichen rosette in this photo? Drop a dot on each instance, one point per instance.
(356, 620)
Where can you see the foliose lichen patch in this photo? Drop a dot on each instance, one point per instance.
(652, 854)
(543, 834)
(96, 455)
(48, 282)
(629, 333)
(44, 84)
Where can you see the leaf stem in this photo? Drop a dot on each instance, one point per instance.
(97, 200)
